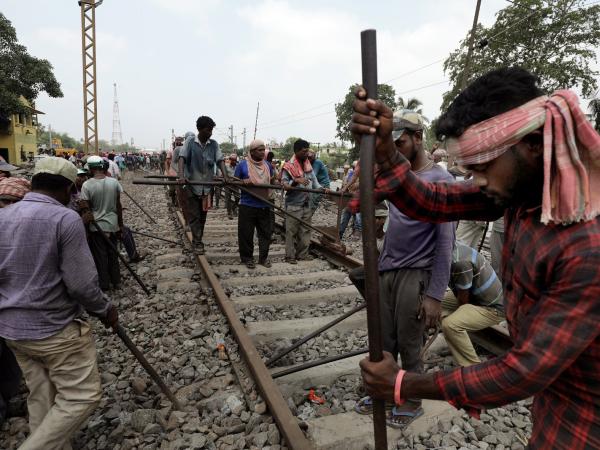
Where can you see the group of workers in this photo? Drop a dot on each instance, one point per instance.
(534, 160)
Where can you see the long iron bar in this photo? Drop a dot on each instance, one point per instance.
(120, 331)
(114, 249)
(156, 237)
(237, 183)
(139, 206)
(485, 230)
(243, 187)
(318, 362)
(313, 334)
(278, 407)
(367, 209)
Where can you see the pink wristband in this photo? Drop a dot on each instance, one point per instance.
(397, 399)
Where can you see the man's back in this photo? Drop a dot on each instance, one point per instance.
(43, 266)
(102, 195)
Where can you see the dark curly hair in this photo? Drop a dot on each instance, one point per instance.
(300, 144)
(489, 95)
(205, 122)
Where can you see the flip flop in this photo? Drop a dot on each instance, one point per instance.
(396, 414)
(365, 406)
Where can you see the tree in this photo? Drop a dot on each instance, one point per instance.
(594, 108)
(227, 148)
(343, 110)
(287, 150)
(21, 74)
(554, 39)
(412, 104)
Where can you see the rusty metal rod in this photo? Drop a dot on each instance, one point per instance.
(278, 407)
(235, 183)
(368, 43)
(120, 331)
(114, 249)
(243, 187)
(139, 206)
(485, 230)
(156, 237)
(313, 334)
(318, 362)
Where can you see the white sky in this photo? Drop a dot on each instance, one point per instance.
(174, 60)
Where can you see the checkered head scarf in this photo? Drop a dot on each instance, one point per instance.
(571, 190)
(14, 188)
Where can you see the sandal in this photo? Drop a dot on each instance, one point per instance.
(365, 406)
(250, 264)
(400, 419)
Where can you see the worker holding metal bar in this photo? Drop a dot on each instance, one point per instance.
(43, 295)
(536, 160)
(414, 269)
(197, 162)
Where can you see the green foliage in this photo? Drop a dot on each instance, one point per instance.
(227, 148)
(343, 111)
(555, 39)
(43, 138)
(413, 104)
(287, 150)
(594, 108)
(21, 73)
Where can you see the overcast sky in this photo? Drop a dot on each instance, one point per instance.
(174, 60)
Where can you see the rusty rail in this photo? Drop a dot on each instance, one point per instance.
(287, 423)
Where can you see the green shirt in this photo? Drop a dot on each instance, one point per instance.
(102, 194)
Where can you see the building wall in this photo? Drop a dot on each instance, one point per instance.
(22, 136)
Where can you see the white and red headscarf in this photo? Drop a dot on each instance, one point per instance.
(571, 191)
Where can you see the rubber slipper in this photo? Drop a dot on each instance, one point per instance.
(365, 406)
(395, 414)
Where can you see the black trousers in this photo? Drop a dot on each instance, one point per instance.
(249, 219)
(107, 261)
(10, 378)
(197, 217)
(129, 243)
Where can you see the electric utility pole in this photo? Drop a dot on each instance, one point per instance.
(466, 70)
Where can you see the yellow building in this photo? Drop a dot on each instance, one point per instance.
(18, 137)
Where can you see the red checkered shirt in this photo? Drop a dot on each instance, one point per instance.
(551, 281)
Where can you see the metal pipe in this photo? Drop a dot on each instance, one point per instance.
(318, 362)
(236, 183)
(367, 210)
(315, 333)
(156, 237)
(485, 230)
(243, 187)
(139, 206)
(120, 331)
(114, 249)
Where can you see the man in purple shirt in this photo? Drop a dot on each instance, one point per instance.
(414, 269)
(47, 279)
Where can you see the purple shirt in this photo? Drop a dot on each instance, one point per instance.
(47, 274)
(420, 245)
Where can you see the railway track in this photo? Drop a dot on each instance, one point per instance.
(268, 309)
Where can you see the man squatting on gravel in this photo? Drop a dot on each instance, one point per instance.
(535, 159)
(42, 297)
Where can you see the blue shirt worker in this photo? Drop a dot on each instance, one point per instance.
(254, 214)
(298, 173)
(47, 280)
(476, 303)
(198, 160)
(322, 174)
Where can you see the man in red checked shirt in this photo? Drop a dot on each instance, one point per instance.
(536, 160)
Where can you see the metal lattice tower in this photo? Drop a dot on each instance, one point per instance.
(88, 50)
(117, 136)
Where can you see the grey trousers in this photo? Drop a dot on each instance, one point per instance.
(496, 243)
(470, 232)
(297, 236)
(400, 304)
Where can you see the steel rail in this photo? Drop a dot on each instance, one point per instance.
(287, 423)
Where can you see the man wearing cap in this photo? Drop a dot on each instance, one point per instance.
(102, 195)
(322, 175)
(198, 160)
(414, 269)
(535, 159)
(254, 214)
(43, 295)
